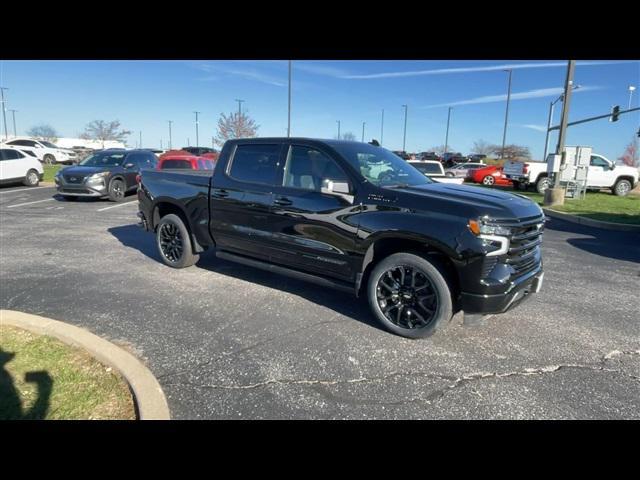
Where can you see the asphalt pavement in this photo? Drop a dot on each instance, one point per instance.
(228, 341)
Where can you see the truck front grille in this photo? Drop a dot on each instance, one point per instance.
(524, 250)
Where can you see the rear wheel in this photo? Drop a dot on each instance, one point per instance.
(409, 296)
(488, 180)
(622, 188)
(32, 179)
(174, 242)
(49, 159)
(116, 190)
(542, 184)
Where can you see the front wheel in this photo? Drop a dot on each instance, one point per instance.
(49, 159)
(622, 188)
(409, 296)
(174, 242)
(31, 179)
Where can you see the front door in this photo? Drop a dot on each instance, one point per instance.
(600, 173)
(312, 229)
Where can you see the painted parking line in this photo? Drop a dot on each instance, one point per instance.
(31, 203)
(116, 206)
(23, 189)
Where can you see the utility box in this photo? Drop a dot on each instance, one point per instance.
(553, 163)
(576, 158)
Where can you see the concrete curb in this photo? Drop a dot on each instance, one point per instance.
(147, 392)
(621, 227)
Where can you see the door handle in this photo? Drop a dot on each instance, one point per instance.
(282, 201)
(220, 192)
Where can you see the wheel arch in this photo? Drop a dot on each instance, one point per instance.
(165, 207)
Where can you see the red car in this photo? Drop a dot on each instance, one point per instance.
(180, 159)
(489, 175)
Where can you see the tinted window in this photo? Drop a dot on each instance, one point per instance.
(255, 163)
(310, 169)
(599, 162)
(176, 164)
(103, 159)
(428, 168)
(24, 143)
(9, 154)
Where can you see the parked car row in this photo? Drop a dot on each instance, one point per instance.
(43, 150)
(19, 166)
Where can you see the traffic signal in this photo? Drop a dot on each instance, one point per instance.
(615, 113)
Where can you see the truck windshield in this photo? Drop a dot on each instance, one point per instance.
(103, 159)
(379, 166)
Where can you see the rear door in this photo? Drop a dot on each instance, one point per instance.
(310, 229)
(241, 197)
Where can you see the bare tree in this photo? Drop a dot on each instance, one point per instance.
(43, 132)
(512, 152)
(235, 125)
(102, 131)
(348, 136)
(482, 147)
(630, 156)
(439, 150)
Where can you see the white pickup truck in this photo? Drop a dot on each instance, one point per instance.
(602, 173)
(435, 171)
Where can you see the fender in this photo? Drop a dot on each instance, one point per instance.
(155, 216)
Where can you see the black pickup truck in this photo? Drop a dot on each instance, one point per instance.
(355, 217)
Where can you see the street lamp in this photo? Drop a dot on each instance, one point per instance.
(546, 141)
(338, 129)
(446, 139)
(382, 128)
(4, 112)
(363, 124)
(404, 138)
(631, 89)
(506, 115)
(13, 112)
(197, 137)
(289, 108)
(239, 106)
(170, 122)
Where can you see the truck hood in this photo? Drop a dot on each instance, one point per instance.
(465, 200)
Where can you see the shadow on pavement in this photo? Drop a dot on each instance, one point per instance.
(343, 303)
(605, 243)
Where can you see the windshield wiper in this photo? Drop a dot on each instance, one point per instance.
(397, 185)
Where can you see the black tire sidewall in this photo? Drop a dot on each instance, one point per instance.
(188, 258)
(112, 197)
(26, 178)
(615, 188)
(445, 306)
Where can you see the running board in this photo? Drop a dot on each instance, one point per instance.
(306, 277)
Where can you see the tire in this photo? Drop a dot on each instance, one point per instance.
(178, 254)
(117, 190)
(31, 179)
(542, 184)
(390, 312)
(622, 188)
(49, 159)
(489, 180)
(449, 174)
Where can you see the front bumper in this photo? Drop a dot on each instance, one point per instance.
(519, 290)
(81, 189)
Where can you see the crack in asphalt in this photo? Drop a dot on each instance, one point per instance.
(435, 395)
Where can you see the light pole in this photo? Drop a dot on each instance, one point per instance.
(631, 89)
(363, 124)
(197, 137)
(550, 119)
(4, 112)
(170, 122)
(446, 138)
(404, 138)
(382, 127)
(239, 106)
(13, 112)
(289, 106)
(506, 115)
(140, 138)
(338, 129)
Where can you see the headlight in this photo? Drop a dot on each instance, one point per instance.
(99, 175)
(478, 227)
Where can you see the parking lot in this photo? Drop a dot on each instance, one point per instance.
(228, 341)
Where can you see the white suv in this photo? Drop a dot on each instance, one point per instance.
(18, 166)
(45, 151)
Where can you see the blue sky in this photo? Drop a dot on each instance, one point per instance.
(143, 95)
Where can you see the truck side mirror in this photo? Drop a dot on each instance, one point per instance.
(128, 165)
(339, 189)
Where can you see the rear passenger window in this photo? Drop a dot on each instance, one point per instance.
(176, 164)
(255, 163)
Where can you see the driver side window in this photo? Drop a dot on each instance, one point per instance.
(310, 169)
(599, 162)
